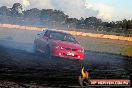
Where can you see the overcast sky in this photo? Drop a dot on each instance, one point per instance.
(107, 10)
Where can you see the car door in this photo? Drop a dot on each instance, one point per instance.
(38, 40)
(44, 40)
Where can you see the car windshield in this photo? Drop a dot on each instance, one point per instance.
(62, 36)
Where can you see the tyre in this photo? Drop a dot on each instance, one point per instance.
(47, 52)
(34, 47)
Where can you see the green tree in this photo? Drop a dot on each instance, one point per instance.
(16, 9)
(5, 11)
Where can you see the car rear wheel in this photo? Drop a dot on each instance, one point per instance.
(34, 47)
(47, 52)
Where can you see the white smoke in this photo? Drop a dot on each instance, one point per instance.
(73, 8)
(105, 12)
(76, 8)
(26, 3)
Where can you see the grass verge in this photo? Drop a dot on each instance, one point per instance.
(107, 46)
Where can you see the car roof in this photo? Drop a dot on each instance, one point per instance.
(56, 30)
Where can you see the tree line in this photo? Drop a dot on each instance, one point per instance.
(56, 18)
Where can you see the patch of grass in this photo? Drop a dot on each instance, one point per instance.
(107, 47)
(127, 50)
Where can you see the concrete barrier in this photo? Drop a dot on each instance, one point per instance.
(95, 35)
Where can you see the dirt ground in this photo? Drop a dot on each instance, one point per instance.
(20, 67)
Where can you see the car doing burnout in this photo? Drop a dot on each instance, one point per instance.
(58, 44)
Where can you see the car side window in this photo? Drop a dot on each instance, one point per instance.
(42, 33)
(70, 38)
(46, 33)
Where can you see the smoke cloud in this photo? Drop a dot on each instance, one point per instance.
(73, 8)
(105, 12)
(26, 3)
